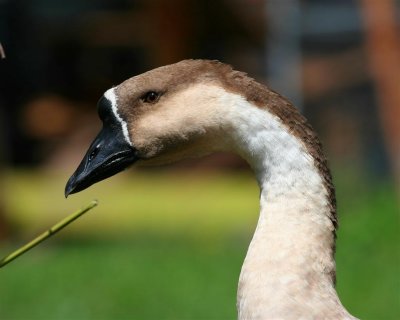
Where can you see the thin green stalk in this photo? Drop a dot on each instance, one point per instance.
(53, 230)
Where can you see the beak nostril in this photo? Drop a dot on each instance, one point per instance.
(94, 153)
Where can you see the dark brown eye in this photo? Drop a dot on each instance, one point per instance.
(150, 97)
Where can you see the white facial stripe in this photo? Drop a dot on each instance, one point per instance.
(110, 95)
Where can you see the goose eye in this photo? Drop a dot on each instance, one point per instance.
(150, 97)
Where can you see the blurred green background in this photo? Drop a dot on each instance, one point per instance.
(168, 243)
(170, 246)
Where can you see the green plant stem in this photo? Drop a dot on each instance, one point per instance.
(47, 234)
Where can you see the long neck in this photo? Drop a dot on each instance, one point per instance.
(289, 269)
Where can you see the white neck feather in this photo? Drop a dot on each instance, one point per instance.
(289, 268)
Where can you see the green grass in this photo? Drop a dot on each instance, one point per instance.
(368, 250)
(145, 278)
(171, 246)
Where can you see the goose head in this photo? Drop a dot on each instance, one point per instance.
(195, 107)
(161, 116)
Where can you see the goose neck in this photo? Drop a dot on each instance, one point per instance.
(291, 257)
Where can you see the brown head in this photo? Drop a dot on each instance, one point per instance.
(157, 117)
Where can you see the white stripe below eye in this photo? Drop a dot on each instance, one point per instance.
(110, 95)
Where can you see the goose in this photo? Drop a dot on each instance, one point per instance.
(197, 107)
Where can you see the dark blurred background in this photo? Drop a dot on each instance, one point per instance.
(336, 60)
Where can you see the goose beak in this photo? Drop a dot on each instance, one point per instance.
(108, 154)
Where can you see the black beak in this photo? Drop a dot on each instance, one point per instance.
(109, 154)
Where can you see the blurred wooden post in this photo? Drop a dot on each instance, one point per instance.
(2, 53)
(284, 49)
(383, 47)
(172, 29)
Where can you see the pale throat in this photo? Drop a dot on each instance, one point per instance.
(294, 238)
